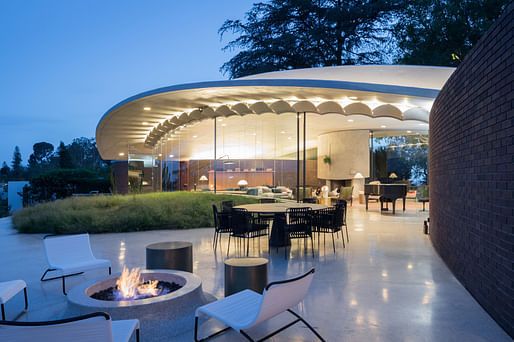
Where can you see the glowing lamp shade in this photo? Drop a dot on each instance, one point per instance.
(242, 183)
(358, 175)
(393, 175)
(203, 178)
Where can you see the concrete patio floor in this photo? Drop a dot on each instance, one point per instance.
(388, 284)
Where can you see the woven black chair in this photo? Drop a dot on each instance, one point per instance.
(226, 206)
(299, 226)
(309, 200)
(343, 205)
(328, 221)
(245, 226)
(221, 226)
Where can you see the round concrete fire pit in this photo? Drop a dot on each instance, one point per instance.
(161, 317)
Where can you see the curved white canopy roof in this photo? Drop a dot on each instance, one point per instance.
(401, 94)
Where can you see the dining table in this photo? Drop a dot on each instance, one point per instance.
(278, 237)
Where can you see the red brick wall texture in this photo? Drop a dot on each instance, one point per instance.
(471, 162)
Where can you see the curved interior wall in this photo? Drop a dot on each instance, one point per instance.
(348, 152)
(472, 172)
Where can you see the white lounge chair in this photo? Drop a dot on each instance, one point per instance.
(97, 327)
(246, 309)
(9, 289)
(70, 255)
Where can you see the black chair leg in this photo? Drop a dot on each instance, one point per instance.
(3, 312)
(307, 324)
(333, 243)
(26, 299)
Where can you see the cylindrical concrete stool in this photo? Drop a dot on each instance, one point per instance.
(173, 255)
(245, 273)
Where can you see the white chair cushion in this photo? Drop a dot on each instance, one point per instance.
(239, 310)
(123, 330)
(81, 266)
(9, 289)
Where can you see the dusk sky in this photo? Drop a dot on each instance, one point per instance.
(64, 63)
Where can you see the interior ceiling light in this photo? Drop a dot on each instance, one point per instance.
(409, 131)
(195, 136)
(121, 154)
(353, 97)
(145, 123)
(223, 125)
(289, 138)
(282, 132)
(171, 156)
(147, 108)
(220, 119)
(350, 120)
(383, 126)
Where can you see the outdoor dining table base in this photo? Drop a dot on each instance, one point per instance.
(278, 237)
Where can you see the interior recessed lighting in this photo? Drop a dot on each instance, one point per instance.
(223, 125)
(350, 120)
(195, 136)
(353, 97)
(171, 156)
(383, 126)
(145, 123)
(409, 131)
(254, 134)
(147, 108)
(282, 132)
(220, 119)
(160, 154)
(121, 154)
(289, 138)
(421, 124)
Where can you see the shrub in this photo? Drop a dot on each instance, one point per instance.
(106, 214)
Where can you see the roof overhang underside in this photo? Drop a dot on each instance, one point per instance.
(143, 120)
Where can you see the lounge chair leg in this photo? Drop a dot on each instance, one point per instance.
(3, 312)
(64, 286)
(137, 335)
(307, 324)
(208, 337)
(347, 236)
(109, 270)
(26, 299)
(246, 335)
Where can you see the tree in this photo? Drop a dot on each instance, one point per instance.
(441, 32)
(4, 172)
(41, 158)
(64, 157)
(16, 167)
(291, 34)
(84, 154)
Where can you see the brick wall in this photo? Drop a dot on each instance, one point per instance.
(472, 172)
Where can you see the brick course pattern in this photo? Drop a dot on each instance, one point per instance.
(471, 162)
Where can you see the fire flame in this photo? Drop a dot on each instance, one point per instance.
(130, 286)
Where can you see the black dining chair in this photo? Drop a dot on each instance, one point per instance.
(299, 226)
(310, 200)
(343, 206)
(245, 226)
(221, 226)
(226, 206)
(328, 221)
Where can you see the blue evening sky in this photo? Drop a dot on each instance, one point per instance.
(63, 63)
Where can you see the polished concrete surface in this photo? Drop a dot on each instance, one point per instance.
(388, 284)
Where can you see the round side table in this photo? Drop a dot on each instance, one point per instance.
(173, 255)
(245, 273)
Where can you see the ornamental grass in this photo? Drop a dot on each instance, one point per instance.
(123, 213)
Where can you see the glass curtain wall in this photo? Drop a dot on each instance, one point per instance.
(401, 158)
